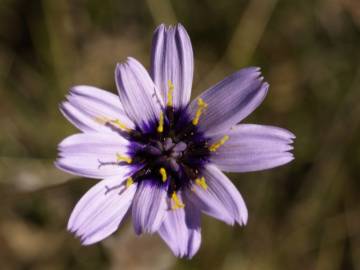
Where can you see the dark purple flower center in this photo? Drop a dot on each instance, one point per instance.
(173, 157)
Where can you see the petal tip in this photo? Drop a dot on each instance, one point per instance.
(244, 219)
(69, 225)
(57, 163)
(87, 241)
(62, 106)
(137, 229)
(180, 27)
(132, 61)
(288, 157)
(79, 89)
(292, 135)
(161, 27)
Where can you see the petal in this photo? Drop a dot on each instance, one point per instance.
(181, 230)
(254, 147)
(149, 207)
(172, 59)
(137, 92)
(88, 143)
(93, 155)
(85, 105)
(100, 211)
(231, 100)
(220, 199)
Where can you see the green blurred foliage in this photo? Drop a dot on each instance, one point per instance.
(302, 216)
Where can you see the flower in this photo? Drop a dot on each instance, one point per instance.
(162, 155)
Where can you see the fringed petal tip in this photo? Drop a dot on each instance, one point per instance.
(128, 61)
(164, 26)
(292, 136)
(192, 249)
(83, 239)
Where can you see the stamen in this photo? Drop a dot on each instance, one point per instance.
(120, 125)
(129, 182)
(201, 107)
(160, 127)
(123, 158)
(177, 203)
(219, 143)
(104, 120)
(170, 94)
(163, 174)
(201, 182)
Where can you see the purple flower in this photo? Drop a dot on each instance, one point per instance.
(162, 155)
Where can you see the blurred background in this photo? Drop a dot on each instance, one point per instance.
(305, 215)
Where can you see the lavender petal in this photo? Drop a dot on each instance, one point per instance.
(149, 207)
(100, 211)
(220, 199)
(181, 230)
(86, 105)
(231, 100)
(172, 59)
(93, 155)
(254, 147)
(137, 92)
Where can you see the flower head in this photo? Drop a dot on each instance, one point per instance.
(160, 156)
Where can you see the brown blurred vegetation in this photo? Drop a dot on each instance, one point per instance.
(305, 215)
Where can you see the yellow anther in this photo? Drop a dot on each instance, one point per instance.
(163, 174)
(201, 182)
(177, 203)
(160, 127)
(123, 158)
(120, 125)
(129, 182)
(219, 143)
(201, 107)
(104, 120)
(170, 94)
